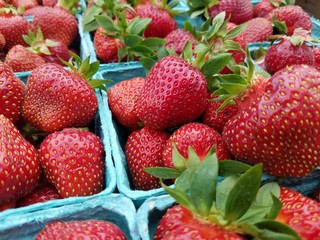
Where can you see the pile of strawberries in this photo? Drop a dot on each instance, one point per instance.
(200, 104)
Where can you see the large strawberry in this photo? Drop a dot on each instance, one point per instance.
(19, 164)
(198, 136)
(72, 160)
(12, 27)
(52, 21)
(57, 98)
(88, 229)
(280, 127)
(122, 98)
(144, 149)
(12, 91)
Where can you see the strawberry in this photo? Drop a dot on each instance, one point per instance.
(40, 194)
(301, 213)
(174, 93)
(316, 53)
(216, 118)
(52, 21)
(290, 18)
(144, 149)
(20, 167)
(49, 3)
(12, 91)
(264, 7)
(200, 137)
(237, 208)
(57, 98)
(72, 160)
(20, 59)
(12, 27)
(2, 42)
(26, 4)
(162, 23)
(8, 205)
(122, 98)
(316, 195)
(177, 40)
(272, 127)
(289, 51)
(2, 3)
(257, 30)
(87, 229)
(239, 11)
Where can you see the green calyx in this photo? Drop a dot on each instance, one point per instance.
(238, 202)
(86, 70)
(10, 9)
(200, 7)
(37, 43)
(282, 3)
(71, 6)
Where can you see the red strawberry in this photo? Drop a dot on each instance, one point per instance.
(200, 137)
(8, 205)
(72, 160)
(174, 93)
(215, 118)
(162, 22)
(300, 213)
(40, 194)
(2, 3)
(2, 42)
(257, 30)
(293, 16)
(52, 21)
(122, 98)
(288, 52)
(88, 229)
(316, 195)
(273, 127)
(264, 7)
(106, 47)
(177, 39)
(49, 3)
(239, 11)
(19, 168)
(12, 91)
(316, 53)
(26, 4)
(144, 149)
(12, 27)
(20, 59)
(57, 98)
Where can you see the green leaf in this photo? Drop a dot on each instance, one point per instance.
(99, 83)
(236, 31)
(197, 13)
(233, 79)
(147, 63)
(183, 182)
(216, 64)
(203, 185)
(107, 24)
(131, 40)
(141, 51)
(197, 3)
(153, 43)
(234, 88)
(243, 193)
(179, 161)
(276, 207)
(280, 26)
(138, 25)
(187, 52)
(217, 22)
(223, 190)
(229, 167)
(163, 172)
(122, 53)
(232, 45)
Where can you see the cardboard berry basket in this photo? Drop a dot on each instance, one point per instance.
(114, 208)
(116, 73)
(101, 130)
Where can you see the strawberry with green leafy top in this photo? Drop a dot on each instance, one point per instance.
(12, 91)
(144, 149)
(72, 160)
(262, 8)
(177, 39)
(26, 4)
(57, 98)
(90, 229)
(19, 164)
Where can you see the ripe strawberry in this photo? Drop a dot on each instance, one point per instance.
(2, 3)
(287, 52)
(12, 27)
(257, 30)
(20, 168)
(12, 91)
(8, 205)
(72, 161)
(177, 40)
(174, 93)
(49, 3)
(239, 11)
(316, 53)
(200, 137)
(122, 98)
(2, 42)
(272, 128)
(301, 213)
(88, 229)
(57, 98)
(216, 118)
(144, 149)
(316, 195)
(264, 7)
(162, 22)
(293, 16)
(40, 194)
(52, 21)
(20, 59)
(26, 4)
